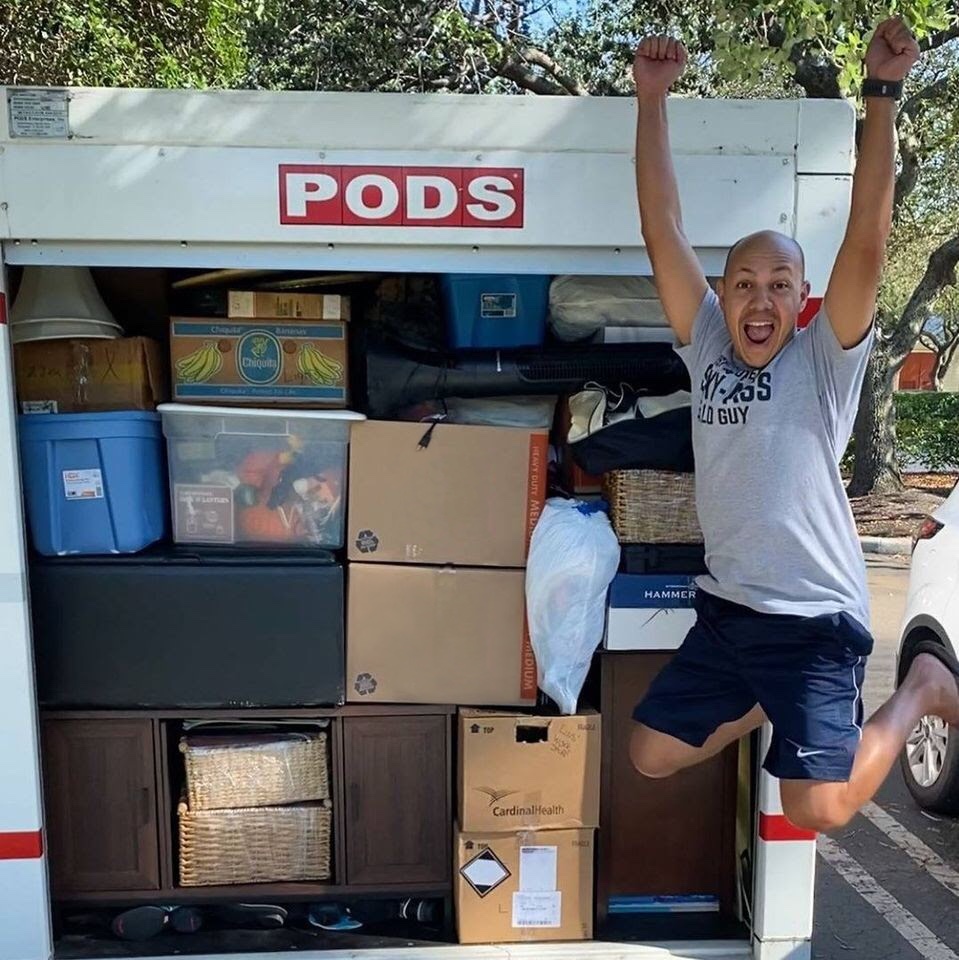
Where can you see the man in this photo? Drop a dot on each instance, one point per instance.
(782, 625)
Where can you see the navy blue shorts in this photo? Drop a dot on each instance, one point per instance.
(805, 672)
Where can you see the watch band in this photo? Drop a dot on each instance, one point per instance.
(872, 87)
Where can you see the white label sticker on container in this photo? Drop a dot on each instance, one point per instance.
(82, 484)
(498, 306)
(39, 406)
(537, 869)
(39, 113)
(537, 909)
(332, 306)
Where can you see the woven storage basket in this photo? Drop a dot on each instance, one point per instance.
(255, 771)
(653, 506)
(254, 845)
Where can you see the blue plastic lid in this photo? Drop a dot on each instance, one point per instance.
(108, 417)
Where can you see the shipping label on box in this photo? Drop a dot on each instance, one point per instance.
(524, 886)
(264, 305)
(445, 493)
(253, 361)
(649, 612)
(526, 772)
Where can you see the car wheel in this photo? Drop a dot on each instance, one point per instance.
(930, 765)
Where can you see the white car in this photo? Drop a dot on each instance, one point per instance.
(930, 762)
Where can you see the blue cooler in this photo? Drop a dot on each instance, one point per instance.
(94, 483)
(484, 311)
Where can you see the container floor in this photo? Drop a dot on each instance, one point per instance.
(299, 937)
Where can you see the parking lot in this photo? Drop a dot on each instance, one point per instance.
(887, 885)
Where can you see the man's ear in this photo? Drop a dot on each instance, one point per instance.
(804, 295)
(721, 291)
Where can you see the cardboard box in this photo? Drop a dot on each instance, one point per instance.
(90, 376)
(444, 493)
(263, 305)
(262, 362)
(438, 635)
(518, 772)
(527, 886)
(650, 612)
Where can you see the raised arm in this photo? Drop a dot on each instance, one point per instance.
(679, 277)
(850, 300)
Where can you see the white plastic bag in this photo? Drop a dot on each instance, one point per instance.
(581, 306)
(573, 556)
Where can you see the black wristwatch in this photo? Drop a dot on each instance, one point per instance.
(872, 87)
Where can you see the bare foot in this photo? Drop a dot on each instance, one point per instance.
(939, 684)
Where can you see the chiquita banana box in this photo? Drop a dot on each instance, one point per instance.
(259, 361)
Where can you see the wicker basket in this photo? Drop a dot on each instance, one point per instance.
(653, 506)
(255, 770)
(254, 845)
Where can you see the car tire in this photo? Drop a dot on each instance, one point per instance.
(932, 746)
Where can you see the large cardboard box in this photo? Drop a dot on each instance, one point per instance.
(262, 362)
(260, 304)
(438, 635)
(444, 493)
(526, 886)
(519, 772)
(90, 376)
(650, 611)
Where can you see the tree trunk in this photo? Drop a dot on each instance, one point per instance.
(874, 433)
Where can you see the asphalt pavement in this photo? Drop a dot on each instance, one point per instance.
(887, 886)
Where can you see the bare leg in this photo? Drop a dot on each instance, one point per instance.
(657, 755)
(929, 688)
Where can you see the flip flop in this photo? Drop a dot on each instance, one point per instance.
(140, 923)
(186, 919)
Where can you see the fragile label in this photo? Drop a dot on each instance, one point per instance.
(537, 869)
(39, 406)
(82, 484)
(39, 113)
(203, 514)
(537, 909)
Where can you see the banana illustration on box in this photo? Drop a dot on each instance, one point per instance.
(201, 365)
(317, 367)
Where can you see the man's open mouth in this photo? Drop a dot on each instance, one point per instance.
(758, 331)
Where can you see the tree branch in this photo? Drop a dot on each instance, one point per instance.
(512, 68)
(940, 273)
(541, 59)
(936, 40)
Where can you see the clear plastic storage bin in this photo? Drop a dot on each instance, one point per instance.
(256, 477)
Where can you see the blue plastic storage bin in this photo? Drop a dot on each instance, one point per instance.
(94, 483)
(485, 310)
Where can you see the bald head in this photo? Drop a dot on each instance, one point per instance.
(765, 241)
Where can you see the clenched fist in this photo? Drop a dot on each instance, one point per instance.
(658, 65)
(892, 51)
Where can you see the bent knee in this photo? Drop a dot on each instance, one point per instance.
(649, 757)
(819, 810)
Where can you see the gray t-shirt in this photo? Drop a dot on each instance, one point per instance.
(779, 532)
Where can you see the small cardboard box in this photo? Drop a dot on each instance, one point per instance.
(526, 886)
(519, 772)
(438, 635)
(263, 305)
(650, 612)
(297, 362)
(444, 493)
(90, 376)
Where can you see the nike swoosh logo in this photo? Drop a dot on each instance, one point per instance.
(803, 752)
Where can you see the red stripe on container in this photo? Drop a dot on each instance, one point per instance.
(21, 846)
(777, 827)
(3, 309)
